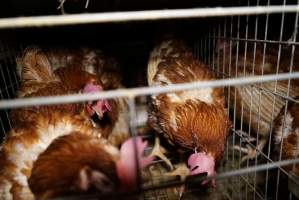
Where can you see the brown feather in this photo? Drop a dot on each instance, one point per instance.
(23, 144)
(33, 65)
(71, 153)
(253, 104)
(286, 131)
(190, 119)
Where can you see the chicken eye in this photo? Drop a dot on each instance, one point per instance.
(194, 168)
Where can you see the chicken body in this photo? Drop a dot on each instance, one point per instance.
(74, 164)
(41, 76)
(90, 60)
(284, 146)
(68, 63)
(255, 104)
(192, 120)
(36, 127)
(92, 165)
(38, 79)
(23, 145)
(286, 135)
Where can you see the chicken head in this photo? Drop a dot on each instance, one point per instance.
(98, 107)
(202, 163)
(126, 166)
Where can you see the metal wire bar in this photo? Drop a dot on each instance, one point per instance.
(133, 130)
(292, 62)
(258, 40)
(259, 98)
(266, 90)
(206, 51)
(2, 95)
(199, 179)
(209, 47)
(5, 89)
(253, 169)
(229, 69)
(261, 153)
(228, 89)
(277, 70)
(286, 97)
(228, 196)
(244, 72)
(143, 91)
(235, 90)
(270, 136)
(109, 17)
(253, 188)
(250, 109)
(11, 57)
(3, 132)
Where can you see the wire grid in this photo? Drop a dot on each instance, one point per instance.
(204, 48)
(229, 31)
(9, 83)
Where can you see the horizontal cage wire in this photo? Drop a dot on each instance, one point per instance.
(251, 49)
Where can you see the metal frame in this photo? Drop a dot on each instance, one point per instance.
(73, 19)
(203, 49)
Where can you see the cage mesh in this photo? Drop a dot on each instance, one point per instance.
(245, 39)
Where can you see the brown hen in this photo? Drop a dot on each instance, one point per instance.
(191, 120)
(257, 105)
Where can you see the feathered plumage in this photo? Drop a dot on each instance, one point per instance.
(23, 145)
(92, 165)
(68, 63)
(257, 105)
(38, 79)
(192, 120)
(286, 135)
(284, 146)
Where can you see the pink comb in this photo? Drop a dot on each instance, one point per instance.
(101, 106)
(126, 166)
(91, 88)
(127, 151)
(202, 163)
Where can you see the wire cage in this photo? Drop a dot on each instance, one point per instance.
(251, 47)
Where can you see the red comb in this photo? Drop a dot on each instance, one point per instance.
(126, 166)
(127, 150)
(202, 163)
(91, 88)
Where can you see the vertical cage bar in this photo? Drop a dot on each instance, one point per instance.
(133, 131)
(1, 121)
(2, 49)
(11, 56)
(205, 50)
(218, 57)
(294, 37)
(270, 135)
(244, 70)
(259, 98)
(277, 71)
(214, 46)
(209, 47)
(230, 88)
(201, 48)
(2, 96)
(295, 32)
(235, 99)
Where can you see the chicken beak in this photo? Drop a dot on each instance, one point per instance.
(98, 111)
